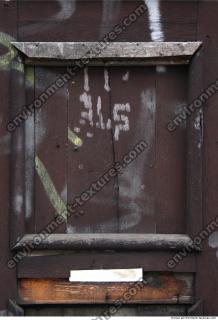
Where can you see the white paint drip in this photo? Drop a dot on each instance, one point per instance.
(82, 122)
(86, 80)
(76, 129)
(121, 127)
(29, 164)
(125, 77)
(161, 69)
(155, 19)
(64, 194)
(87, 100)
(106, 80)
(18, 203)
(70, 229)
(89, 134)
(100, 124)
(108, 125)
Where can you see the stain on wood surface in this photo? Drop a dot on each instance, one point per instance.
(156, 288)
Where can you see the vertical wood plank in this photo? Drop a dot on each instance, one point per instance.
(89, 116)
(8, 31)
(170, 167)
(133, 104)
(50, 150)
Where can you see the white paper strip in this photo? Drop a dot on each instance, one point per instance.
(111, 275)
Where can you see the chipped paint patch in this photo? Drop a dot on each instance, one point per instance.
(89, 134)
(125, 77)
(161, 69)
(154, 20)
(74, 139)
(87, 100)
(213, 240)
(117, 117)
(50, 189)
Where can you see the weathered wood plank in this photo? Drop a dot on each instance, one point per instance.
(69, 51)
(110, 241)
(41, 264)
(155, 288)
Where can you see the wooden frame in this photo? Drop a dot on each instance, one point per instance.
(114, 53)
(31, 53)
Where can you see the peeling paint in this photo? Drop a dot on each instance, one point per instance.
(87, 100)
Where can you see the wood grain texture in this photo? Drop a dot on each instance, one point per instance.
(44, 265)
(161, 288)
(112, 50)
(122, 241)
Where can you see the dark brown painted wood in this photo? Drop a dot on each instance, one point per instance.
(88, 163)
(135, 198)
(17, 154)
(8, 29)
(208, 260)
(51, 149)
(170, 162)
(105, 310)
(53, 264)
(108, 241)
(162, 288)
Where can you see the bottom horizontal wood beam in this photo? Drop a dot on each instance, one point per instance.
(155, 288)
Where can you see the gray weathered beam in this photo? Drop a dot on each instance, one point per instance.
(166, 52)
(108, 242)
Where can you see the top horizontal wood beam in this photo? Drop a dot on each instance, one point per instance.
(110, 241)
(110, 53)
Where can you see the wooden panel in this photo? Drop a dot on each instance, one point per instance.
(44, 265)
(170, 186)
(8, 32)
(156, 288)
(49, 21)
(108, 241)
(68, 51)
(207, 73)
(106, 310)
(89, 113)
(134, 87)
(50, 151)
